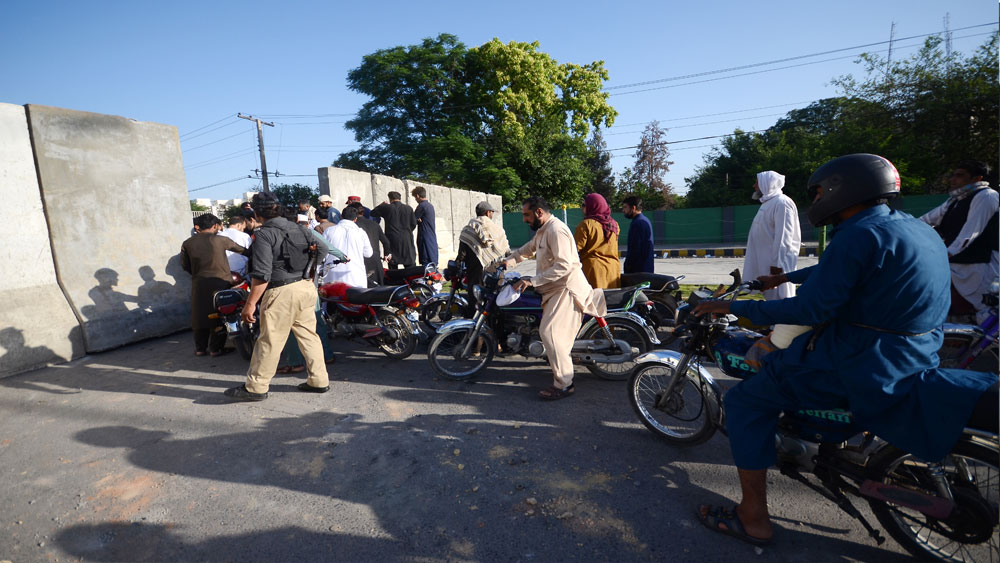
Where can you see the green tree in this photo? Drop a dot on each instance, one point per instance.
(291, 194)
(195, 206)
(230, 212)
(652, 161)
(629, 184)
(503, 118)
(599, 164)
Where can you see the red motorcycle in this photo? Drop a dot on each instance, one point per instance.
(228, 305)
(425, 280)
(379, 315)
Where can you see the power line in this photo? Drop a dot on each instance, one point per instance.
(223, 126)
(219, 159)
(221, 183)
(215, 141)
(703, 123)
(787, 59)
(713, 114)
(204, 126)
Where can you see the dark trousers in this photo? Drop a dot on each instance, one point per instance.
(212, 339)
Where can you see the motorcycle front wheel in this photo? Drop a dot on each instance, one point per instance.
(621, 329)
(970, 532)
(445, 354)
(401, 340)
(435, 312)
(683, 418)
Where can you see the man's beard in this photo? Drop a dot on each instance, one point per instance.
(536, 224)
(631, 215)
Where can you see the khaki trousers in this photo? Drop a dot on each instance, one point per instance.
(561, 320)
(289, 308)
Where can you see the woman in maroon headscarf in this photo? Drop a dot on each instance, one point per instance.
(597, 242)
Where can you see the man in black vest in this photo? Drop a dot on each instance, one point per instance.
(967, 222)
(280, 258)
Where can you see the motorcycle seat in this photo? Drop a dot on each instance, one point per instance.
(399, 276)
(373, 295)
(657, 282)
(616, 298)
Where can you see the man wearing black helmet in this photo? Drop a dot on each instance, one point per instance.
(877, 298)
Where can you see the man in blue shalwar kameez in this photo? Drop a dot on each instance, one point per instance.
(877, 297)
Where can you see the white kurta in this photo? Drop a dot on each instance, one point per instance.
(971, 280)
(775, 238)
(237, 262)
(353, 242)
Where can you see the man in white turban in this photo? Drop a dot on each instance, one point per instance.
(775, 237)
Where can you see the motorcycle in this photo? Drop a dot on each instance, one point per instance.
(424, 280)
(229, 305)
(607, 346)
(443, 307)
(379, 315)
(937, 511)
(973, 346)
(663, 293)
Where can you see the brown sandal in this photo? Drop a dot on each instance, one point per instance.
(554, 393)
(290, 369)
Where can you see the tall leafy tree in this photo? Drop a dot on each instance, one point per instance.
(599, 163)
(652, 160)
(289, 195)
(503, 118)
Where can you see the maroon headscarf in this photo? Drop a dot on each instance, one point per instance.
(596, 207)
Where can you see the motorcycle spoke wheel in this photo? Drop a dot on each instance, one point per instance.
(683, 418)
(404, 342)
(621, 329)
(971, 532)
(436, 313)
(445, 354)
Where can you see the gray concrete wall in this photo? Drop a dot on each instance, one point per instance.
(101, 177)
(453, 207)
(37, 325)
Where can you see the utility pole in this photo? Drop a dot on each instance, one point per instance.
(260, 145)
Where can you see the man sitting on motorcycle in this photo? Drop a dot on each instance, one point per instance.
(877, 298)
(566, 294)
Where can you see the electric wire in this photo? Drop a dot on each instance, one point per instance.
(209, 125)
(215, 141)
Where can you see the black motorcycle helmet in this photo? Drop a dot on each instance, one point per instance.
(850, 180)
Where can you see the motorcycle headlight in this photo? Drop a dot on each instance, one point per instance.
(477, 292)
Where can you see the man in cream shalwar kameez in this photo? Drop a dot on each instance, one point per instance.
(566, 295)
(775, 237)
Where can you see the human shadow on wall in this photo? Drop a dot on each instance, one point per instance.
(107, 300)
(153, 293)
(16, 356)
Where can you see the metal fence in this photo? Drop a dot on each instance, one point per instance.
(703, 226)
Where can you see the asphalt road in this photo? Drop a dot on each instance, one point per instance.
(133, 455)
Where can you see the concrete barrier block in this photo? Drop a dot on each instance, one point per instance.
(102, 177)
(497, 203)
(460, 212)
(339, 183)
(37, 325)
(382, 185)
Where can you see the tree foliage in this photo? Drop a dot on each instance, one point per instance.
(290, 195)
(652, 161)
(504, 118)
(599, 163)
(924, 113)
(195, 206)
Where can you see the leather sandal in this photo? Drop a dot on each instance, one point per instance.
(554, 393)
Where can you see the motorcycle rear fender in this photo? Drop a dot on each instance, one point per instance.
(671, 358)
(650, 334)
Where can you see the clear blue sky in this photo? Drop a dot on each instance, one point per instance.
(190, 64)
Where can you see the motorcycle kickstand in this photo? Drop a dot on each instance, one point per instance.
(833, 493)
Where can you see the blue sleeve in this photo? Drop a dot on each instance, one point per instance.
(828, 286)
(645, 243)
(801, 275)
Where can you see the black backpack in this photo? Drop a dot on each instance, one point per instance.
(297, 250)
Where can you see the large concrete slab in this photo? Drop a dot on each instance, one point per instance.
(102, 178)
(339, 183)
(459, 212)
(497, 203)
(37, 325)
(440, 198)
(382, 185)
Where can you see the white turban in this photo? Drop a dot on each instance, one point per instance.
(770, 183)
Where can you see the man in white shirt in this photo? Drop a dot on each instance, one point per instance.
(236, 232)
(775, 236)
(967, 222)
(352, 241)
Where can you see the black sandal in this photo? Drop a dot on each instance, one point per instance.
(554, 393)
(733, 527)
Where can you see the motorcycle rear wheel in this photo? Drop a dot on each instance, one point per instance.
(621, 329)
(445, 348)
(686, 420)
(244, 341)
(435, 312)
(970, 533)
(405, 342)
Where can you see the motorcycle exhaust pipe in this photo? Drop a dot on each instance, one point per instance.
(933, 506)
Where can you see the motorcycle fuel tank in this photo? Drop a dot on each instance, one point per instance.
(730, 351)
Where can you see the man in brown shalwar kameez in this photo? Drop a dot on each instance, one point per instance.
(204, 257)
(566, 294)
